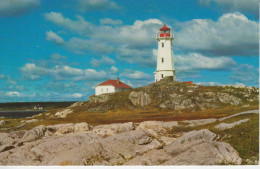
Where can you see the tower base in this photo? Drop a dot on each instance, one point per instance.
(159, 75)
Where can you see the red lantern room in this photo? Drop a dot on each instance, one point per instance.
(165, 31)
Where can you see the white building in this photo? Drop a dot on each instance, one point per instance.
(165, 62)
(111, 86)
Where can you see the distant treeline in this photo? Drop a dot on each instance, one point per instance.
(33, 105)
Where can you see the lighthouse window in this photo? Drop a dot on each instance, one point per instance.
(162, 75)
(107, 89)
(162, 45)
(162, 60)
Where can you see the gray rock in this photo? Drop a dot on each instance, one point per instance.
(194, 123)
(2, 122)
(111, 129)
(63, 113)
(200, 148)
(153, 157)
(167, 140)
(140, 98)
(193, 148)
(226, 98)
(100, 98)
(158, 126)
(33, 134)
(224, 126)
(241, 113)
(112, 150)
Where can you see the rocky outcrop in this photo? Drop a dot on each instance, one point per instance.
(158, 126)
(113, 144)
(111, 129)
(227, 98)
(140, 98)
(100, 98)
(193, 148)
(63, 113)
(224, 126)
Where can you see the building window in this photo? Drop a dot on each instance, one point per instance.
(101, 90)
(107, 89)
(162, 75)
(162, 60)
(162, 45)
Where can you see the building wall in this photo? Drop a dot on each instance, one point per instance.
(165, 62)
(104, 89)
(107, 89)
(121, 89)
(166, 54)
(158, 75)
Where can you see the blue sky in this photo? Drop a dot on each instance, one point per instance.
(59, 50)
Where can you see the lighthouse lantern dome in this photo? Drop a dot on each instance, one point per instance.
(165, 31)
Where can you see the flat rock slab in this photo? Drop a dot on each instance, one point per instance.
(122, 144)
(224, 126)
(194, 123)
(241, 113)
(193, 148)
(158, 126)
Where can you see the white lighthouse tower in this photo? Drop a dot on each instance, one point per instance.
(165, 62)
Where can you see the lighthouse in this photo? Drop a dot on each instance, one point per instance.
(165, 61)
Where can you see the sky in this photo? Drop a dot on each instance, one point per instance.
(59, 50)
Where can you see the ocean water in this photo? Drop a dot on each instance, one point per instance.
(19, 114)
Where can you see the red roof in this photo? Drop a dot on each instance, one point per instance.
(189, 82)
(114, 83)
(164, 28)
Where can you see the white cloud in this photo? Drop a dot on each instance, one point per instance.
(135, 75)
(17, 7)
(232, 34)
(52, 36)
(247, 6)
(105, 60)
(61, 72)
(77, 95)
(82, 46)
(79, 25)
(114, 70)
(131, 43)
(88, 5)
(110, 21)
(13, 94)
(246, 74)
(33, 72)
(196, 61)
(57, 56)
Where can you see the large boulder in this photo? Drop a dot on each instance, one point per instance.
(140, 98)
(193, 148)
(33, 134)
(112, 150)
